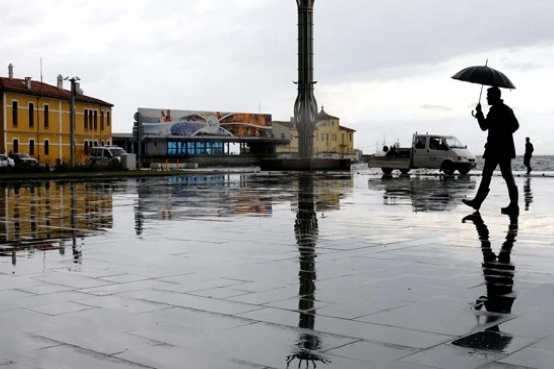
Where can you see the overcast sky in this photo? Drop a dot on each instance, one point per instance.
(383, 67)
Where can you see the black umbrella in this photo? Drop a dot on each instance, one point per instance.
(484, 75)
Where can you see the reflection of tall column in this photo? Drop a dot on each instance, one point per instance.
(305, 106)
(306, 231)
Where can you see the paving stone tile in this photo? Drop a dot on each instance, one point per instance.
(172, 357)
(113, 289)
(449, 356)
(60, 308)
(374, 354)
(66, 356)
(531, 358)
(122, 303)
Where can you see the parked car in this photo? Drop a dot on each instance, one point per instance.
(106, 154)
(22, 159)
(6, 161)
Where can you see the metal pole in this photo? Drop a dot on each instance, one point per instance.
(305, 106)
(72, 125)
(139, 135)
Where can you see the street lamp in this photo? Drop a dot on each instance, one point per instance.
(73, 81)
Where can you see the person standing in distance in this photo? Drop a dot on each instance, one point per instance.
(528, 153)
(501, 123)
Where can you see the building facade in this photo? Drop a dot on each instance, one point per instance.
(330, 138)
(36, 119)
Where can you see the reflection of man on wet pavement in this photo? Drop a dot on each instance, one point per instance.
(528, 195)
(499, 149)
(499, 279)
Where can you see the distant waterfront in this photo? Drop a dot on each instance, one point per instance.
(539, 163)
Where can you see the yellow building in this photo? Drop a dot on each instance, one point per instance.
(330, 138)
(36, 118)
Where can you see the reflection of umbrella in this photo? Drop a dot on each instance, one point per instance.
(489, 339)
(484, 75)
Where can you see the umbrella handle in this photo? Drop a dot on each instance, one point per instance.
(480, 93)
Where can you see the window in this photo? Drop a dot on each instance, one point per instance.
(194, 148)
(31, 147)
(14, 114)
(15, 145)
(102, 120)
(31, 115)
(436, 143)
(46, 147)
(108, 117)
(420, 142)
(95, 120)
(46, 116)
(90, 119)
(85, 119)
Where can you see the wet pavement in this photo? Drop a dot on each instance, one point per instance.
(258, 270)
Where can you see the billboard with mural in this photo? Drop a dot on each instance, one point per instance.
(193, 123)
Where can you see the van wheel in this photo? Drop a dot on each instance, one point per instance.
(387, 170)
(404, 171)
(448, 168)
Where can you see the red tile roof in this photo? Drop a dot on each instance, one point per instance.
(43, 89)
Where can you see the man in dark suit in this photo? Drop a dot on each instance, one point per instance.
(528, 154)
(501, 123)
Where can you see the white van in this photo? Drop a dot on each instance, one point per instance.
(106, 154)
(430, 151)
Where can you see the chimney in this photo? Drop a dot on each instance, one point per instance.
(28, 82)
(60, 81)
(10, 71)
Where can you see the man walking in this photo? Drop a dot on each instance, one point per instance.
(528, 153)
(501, 123)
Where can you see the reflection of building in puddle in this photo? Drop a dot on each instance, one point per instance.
(496, 305)
(195, 196)
(423, 193)
(44, 215)
(228, 195)
(327, 192)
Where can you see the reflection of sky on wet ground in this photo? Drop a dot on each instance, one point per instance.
(228, 270)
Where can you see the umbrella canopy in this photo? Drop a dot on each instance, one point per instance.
(484, 75)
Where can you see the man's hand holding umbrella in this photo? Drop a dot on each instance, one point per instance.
(478, 109)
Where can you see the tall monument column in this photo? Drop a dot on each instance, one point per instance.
(305, 106)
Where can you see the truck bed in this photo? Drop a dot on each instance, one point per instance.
(401, 159)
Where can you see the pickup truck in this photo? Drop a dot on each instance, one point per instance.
(430, 151)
